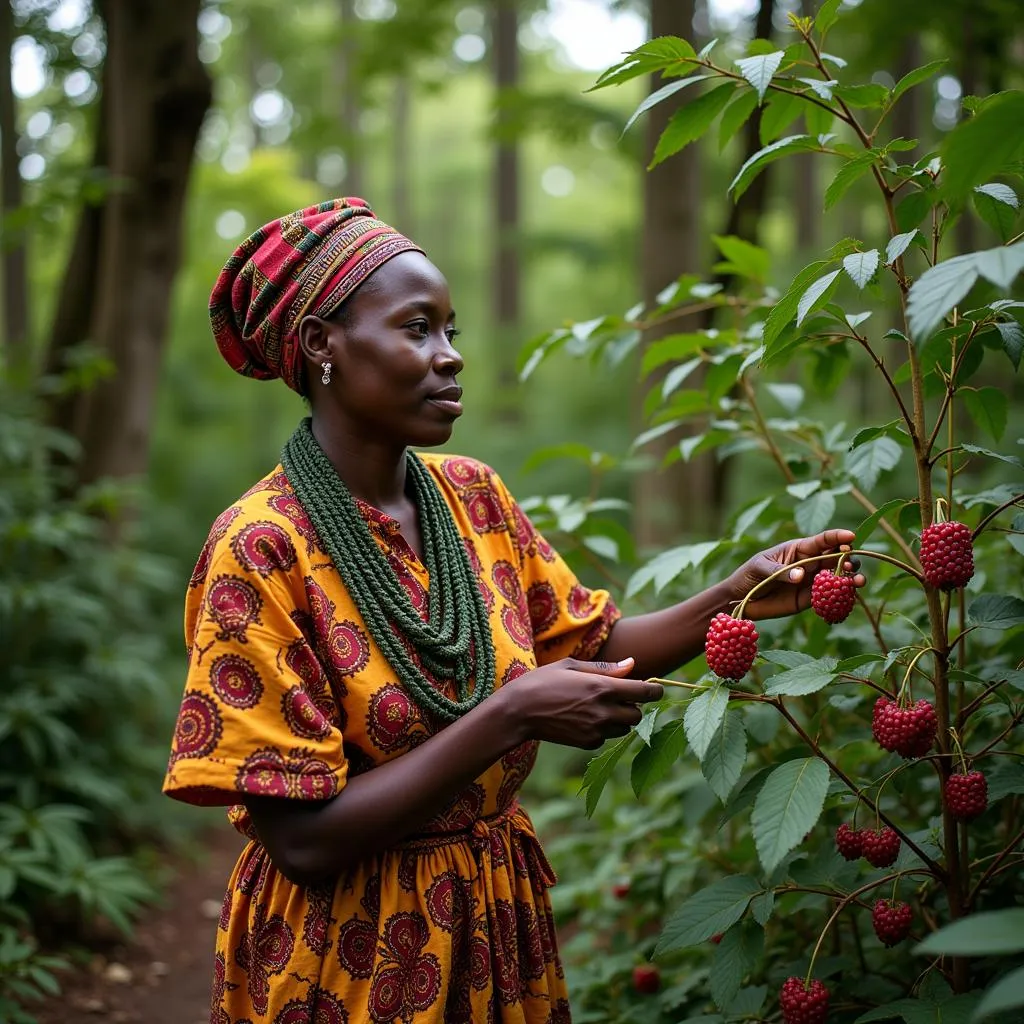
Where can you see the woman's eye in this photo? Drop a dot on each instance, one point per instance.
(452, 333)
(419, 327)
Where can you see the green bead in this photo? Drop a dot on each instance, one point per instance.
(457, 619)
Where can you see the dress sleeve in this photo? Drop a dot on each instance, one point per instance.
(568, 619)
(258, 715)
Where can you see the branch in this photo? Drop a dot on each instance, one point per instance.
(865, 502)
(1015, 500)
(907, 418)
(991, 869)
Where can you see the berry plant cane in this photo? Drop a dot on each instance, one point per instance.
(863, 785)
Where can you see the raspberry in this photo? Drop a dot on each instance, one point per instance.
(947, 555)
(802, 1005)
(621, 890)
(909, 732)
(731, 646)
(646, 979)
(832, 596)
(880, 846)
(967, 795)
(891, 920)
(849, 842)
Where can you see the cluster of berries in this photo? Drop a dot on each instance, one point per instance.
(909, 732)
(878, 846)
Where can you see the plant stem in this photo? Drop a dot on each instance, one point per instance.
(880, 366)
(1015, 500)
(865, 502)
(875, 624)
(991, 869)
(762, 427)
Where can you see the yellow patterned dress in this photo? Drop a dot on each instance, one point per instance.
(287, 695)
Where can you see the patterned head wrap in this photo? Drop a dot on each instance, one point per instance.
(307, 262)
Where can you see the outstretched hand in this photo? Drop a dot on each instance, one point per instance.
(790, 592)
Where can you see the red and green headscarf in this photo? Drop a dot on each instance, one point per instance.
(305, 263)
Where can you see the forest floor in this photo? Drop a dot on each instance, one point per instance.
(163, 974)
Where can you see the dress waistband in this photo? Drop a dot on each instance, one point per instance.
(476, 834)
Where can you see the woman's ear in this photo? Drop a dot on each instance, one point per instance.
(315, 339)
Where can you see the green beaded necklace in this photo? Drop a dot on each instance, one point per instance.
(455, 644)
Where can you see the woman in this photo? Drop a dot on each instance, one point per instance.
(354, 628)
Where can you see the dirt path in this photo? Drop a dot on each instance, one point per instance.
(163, 975)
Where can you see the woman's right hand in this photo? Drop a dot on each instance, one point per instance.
(578, 703)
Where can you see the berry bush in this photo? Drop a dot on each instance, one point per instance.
(833, 810)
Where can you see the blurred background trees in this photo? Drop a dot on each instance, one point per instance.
(141, 141)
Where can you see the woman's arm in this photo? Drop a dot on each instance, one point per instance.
(580, 704)
(661, 641)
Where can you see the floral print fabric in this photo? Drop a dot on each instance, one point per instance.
(288, 696)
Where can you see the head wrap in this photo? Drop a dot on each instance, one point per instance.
(307, 262)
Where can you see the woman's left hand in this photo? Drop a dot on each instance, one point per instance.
(790, 592)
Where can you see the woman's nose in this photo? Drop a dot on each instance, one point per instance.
(448, 358)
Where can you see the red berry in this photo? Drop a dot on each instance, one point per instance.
(880, 847)
(731, 646)
(646, 979)
(909, 732)
(620, 890)
(891, 920)
(947, 555)
(967, 795)
(849, 842)
(833, 596)
(716, 938)
(802, 1005)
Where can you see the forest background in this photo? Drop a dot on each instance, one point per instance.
(141, 141)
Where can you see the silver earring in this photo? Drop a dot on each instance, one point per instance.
(326, 367)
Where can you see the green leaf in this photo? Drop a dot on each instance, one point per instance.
(912, 210)
(850, 172)
(915, 77)
(867, 462)
(787, 808)
(978, 149)
(826, 16)
(898, 245)
(781, 110)
(757, 163)
(723, 761)
(735, 957)
(785, 309)
(989, 408)
(1013, 340)
(936, 292)
(744, 258)
(822, 89)
(813, 514)
(666, 54)
(670, 349)
(1005, 994)
(1005, 778)
(867, 97)
(600, 768)
(691, 121)
(809, 677)
(868, 526)
(997, 205)
(707, 912)
(703, 717)
(761, 907)
(996, 611)
(1000, 265)
(861, 266)
(652, 763)
(736, 115)
(990, 933)
(815, 296)
(758, 71)
(658, 95)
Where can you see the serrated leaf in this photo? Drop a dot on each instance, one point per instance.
(656, 97)
(981, 147)
(846, 176)
(734, 958)
(755, 164)
(789, 396)
(868, 526)
(780, 111)
(990, 933)
(989, 408)
(761, 907)
(703, 717)
(826, 16)
(916, 77)
(759, 70)
(996, 611)
(820, 88)
(723, 761)
(813, 514)
(997, 208)
(974, 449)
(707, 912)
(653, 762)
(1005, 994)
(816, 295)
(599, 770)
(1000, 265)
(1013, 340)
(691, 121)
(785, 309)
(861, 266)
(867, 462)
(736, 115)
(809, 677)
(787, 808)
(936, 292)
(787, 659)
(898, 245)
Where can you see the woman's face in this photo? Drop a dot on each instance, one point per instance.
(393, 360)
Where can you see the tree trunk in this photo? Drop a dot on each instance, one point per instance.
(127, 251)
(806, 202)
(506, 282)
(401, 197)
(15, 255)
(351, 108)
(667, 501)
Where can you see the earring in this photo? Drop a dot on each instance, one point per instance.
(326, 367)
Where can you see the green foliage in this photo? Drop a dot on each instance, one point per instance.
(745, 783)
